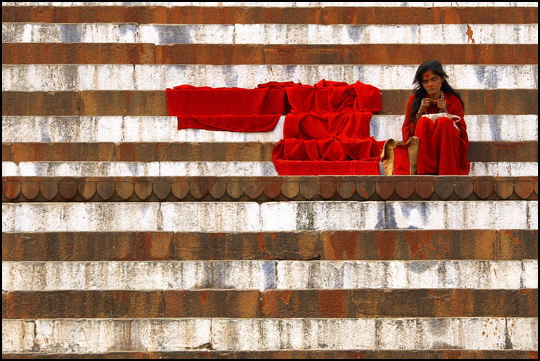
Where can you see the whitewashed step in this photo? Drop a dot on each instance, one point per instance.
(159, 77)
(269, 216)
(118, 129)
(221, 169)
(264, 275)
(269, 33)
(106, 335)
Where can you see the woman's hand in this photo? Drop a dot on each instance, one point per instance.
(426, 102)
(441, 104)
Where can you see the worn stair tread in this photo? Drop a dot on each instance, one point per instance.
(268, 274)
(244, 54)
(154, 77)
(258, 33)
(356, 303)
(507, 244)
(154, 102)
(166, 13)
(268, 216)
(294, 354)
(163, 129)
(489, 151)
(169, 334)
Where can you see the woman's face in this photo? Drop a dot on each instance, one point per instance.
(432, 83)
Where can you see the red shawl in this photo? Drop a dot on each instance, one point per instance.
(231, 109)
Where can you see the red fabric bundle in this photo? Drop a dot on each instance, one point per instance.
(231, 109)
(329, 123)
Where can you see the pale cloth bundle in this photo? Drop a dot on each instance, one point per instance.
(436, 116)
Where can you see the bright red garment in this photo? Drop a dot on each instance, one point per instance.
(442, 148)
(329, 123)
(231, 109)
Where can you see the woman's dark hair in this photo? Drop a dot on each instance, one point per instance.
(419, 91)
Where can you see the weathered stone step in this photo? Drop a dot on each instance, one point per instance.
(267, 217)
(270, 33)
(264, 275)
(154, 103)
(118, 129)
(490, 5)
(365, 303)
(236, 54)
(489, 244)
(294, 354)
(211, 169)
(262, 189)
(158, 77)
(245, 13)
(106, 335)
(494, 151)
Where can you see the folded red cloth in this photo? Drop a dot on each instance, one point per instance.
(331, 97)
(306, 167)
(231, 109)
(327, 131)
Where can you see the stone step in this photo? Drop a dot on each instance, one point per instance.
(294, 354)
(516, 33)
(404, 245)
(247, 13)
(212, 169)
(268, 217)
(358, 303)
(106, 335)
(479, 152)
(491, 5)
(154, 103)
(148, 129)
(158, 77)
(265, 189)
(264, 275)
(268, 54)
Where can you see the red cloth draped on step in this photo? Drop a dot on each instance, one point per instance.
(442, 148)
(329, 123)
(231, 109)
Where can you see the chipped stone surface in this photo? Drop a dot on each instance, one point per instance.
(99, 335)
(522, 333)
(166, 275)
(459, 215)
(399, 274)
(117, 129)
(158, 77)
(530, 273)
(262, 275)
(269, 4)
(106, 335)
(17, 335)
(250, 216)
(270, 33)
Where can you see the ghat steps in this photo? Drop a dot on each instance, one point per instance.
(124, 237)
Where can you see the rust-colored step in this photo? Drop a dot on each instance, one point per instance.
(135, 103)
(306, 245)
(494, 151)
(240, 54)
(271, 303)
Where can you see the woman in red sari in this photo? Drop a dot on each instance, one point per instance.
(443, 142)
